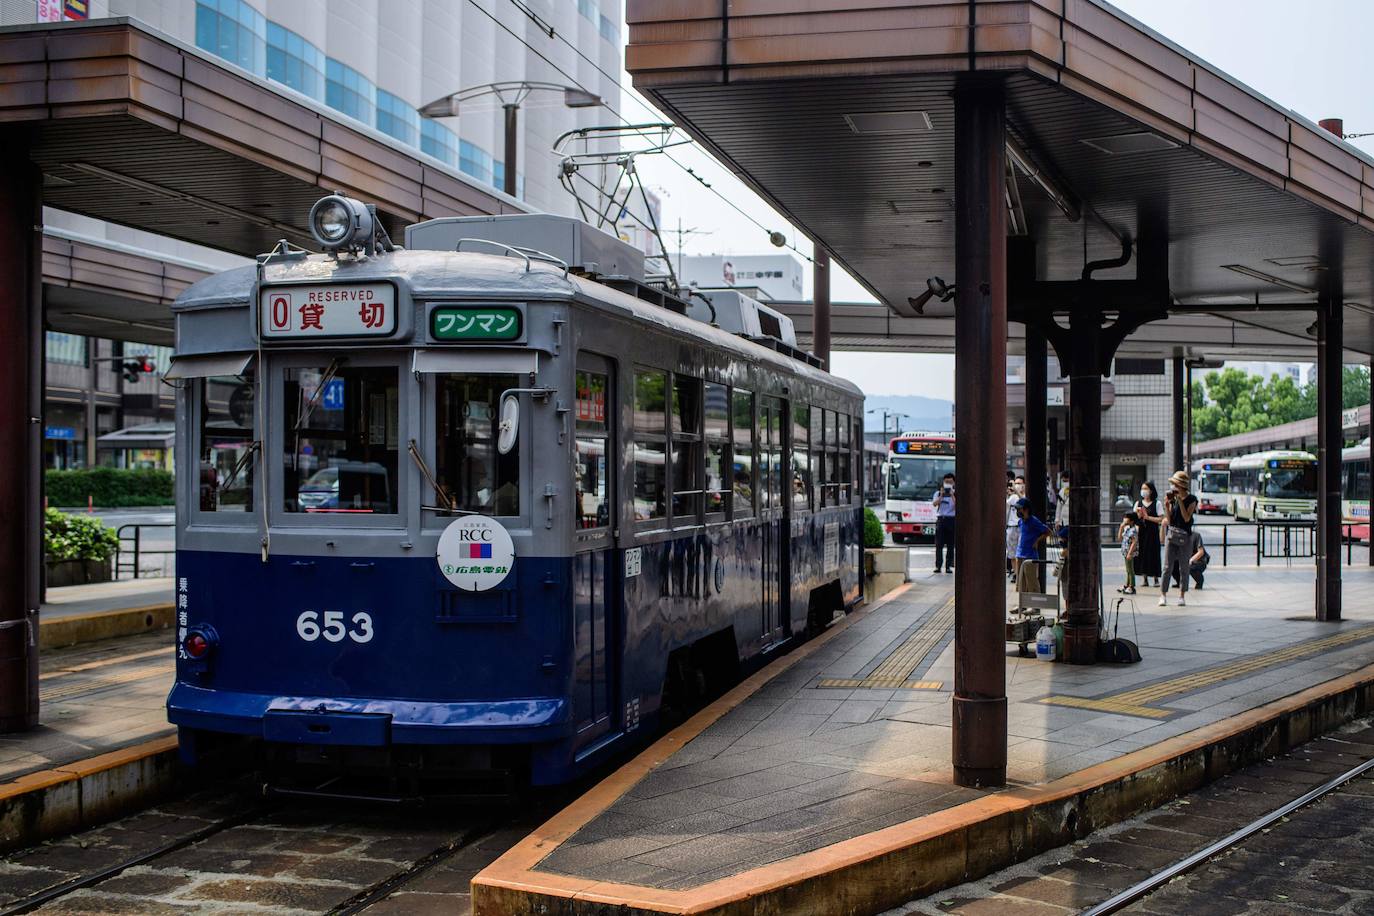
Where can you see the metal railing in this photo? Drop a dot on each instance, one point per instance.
(1284, 540)
(137, 549)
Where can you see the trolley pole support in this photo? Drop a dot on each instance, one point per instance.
(1085, 475)
(21, 483)
(1330, 438)
(980, 412)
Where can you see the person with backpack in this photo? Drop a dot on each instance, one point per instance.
(1197, 563)
(1179, 506)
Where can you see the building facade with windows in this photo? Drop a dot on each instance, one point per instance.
(371, 61)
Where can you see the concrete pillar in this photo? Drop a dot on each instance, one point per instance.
(820, 312)
(21, 410)
(1330, 438)
(1085, 477)
(980, 406)
(1180, 434)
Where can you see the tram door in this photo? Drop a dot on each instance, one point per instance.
(776, 516)
(595, 595)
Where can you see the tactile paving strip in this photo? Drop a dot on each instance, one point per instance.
(897, 668)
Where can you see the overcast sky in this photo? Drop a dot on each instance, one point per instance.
(1311, 56)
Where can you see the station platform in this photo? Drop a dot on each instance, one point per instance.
(75, 614)
(94, 698)
(823, 783)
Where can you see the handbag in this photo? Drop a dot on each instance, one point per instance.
(1178, 537)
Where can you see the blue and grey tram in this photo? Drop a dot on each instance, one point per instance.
(492, 501)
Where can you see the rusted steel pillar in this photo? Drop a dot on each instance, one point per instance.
(1180, 432)
(21, 367)
(1037, 384)
(980, 411)
(1085, 474)
(1330, 438)
(820, 313)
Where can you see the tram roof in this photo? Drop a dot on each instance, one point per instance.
(466, 275)
(823, 111)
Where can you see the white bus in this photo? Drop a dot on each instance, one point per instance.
(1274, 486)
(1212, 484)
(1355, 490)
(916, 463)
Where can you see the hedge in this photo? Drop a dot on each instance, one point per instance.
(110, 488)
(77, 537)
(873, 529)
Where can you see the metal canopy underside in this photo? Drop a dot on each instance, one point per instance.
(1238, 180)
(132, 127)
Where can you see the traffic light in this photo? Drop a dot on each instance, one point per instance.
(133, 368)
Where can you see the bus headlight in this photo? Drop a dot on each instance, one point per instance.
(338, 222)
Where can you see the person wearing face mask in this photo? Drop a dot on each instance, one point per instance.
(944, 524)
(1149, 516)
(1061, 509)
(1016, 491)
(1179, 507)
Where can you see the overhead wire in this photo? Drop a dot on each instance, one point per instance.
(623, 120)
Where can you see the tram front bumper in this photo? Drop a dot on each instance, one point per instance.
(368, 723)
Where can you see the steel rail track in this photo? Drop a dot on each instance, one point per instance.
(1159, 879)
(57, 891)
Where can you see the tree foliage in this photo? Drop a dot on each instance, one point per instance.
(1233, 401)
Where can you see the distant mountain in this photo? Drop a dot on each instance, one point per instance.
(929, 414)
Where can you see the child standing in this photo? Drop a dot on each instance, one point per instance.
(1130, 548)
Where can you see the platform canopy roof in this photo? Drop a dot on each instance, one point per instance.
(128, 125)
(840, 113)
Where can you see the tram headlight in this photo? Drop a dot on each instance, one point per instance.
(337, 222)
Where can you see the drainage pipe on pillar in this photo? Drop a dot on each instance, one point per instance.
(820, 313)
(1085, 473)
(20, 458)
(1037, 385)
(980, 410)
(1179, 412)
(1330, 438)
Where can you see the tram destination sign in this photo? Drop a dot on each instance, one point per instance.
(476, 322)
(334, 310)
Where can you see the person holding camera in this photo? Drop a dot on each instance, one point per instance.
(1179, 506)
(944, 524)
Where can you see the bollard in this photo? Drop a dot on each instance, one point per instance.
(90, 504)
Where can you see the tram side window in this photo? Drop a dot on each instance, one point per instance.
(226, 443)
(650, 444)
(716, 405)
(340, 439)
(846, 462)
(473, 474)
(820, 462)
(801, 457)
(591, 470)
(686, 449)
(743, 454)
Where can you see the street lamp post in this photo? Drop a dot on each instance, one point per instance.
(511, 95)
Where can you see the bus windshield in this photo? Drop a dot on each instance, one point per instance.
(917, 478)
(1215, 482)
(1291, 482)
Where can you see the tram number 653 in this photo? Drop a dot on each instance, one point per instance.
(311, 625)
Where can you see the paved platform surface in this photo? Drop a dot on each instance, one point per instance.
(73, 600)
(1317, 860)
(855, 736)
(94, 698)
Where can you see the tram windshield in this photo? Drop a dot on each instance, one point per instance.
(917, 478)
(475, 475)
(340, 439)
(1291, 480)
(226, 443)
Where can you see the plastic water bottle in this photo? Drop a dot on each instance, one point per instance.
(1044, 644)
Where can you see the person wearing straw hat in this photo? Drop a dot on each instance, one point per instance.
(1179, 506)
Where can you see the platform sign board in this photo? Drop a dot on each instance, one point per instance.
(476, 553)
(343, 310)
